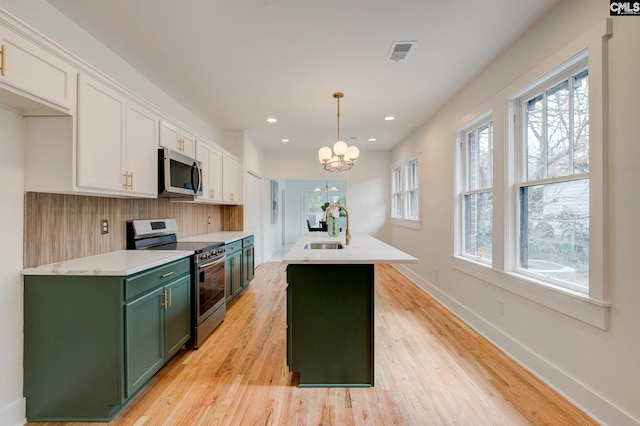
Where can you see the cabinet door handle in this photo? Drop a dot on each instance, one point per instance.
(164, 299)
(170, 297)
(128, 180)
(165, 275)
(2, 72)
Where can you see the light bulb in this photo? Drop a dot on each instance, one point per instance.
(324, 154)
(340, 148)
(352, 153)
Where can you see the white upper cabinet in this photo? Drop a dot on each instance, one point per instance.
(231, 180)
(141, 150)
(36, 72)
(117, 142)
(100, 148)
(176, 138)
(215, 174)
(211, 160)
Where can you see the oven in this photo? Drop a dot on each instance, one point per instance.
(209, 293)
(208, 299)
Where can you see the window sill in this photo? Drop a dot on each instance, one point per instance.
(407, 223)
(574, 305)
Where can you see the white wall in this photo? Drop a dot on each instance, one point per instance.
(367, 184)
(596, 369)
(12, 143)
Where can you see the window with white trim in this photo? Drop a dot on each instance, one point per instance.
(412, 199)
(396, 192)
(549, 194)
(405, 196)
(476, 156)
(552, 179)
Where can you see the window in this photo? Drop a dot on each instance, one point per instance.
(548, 195)
(553, 180)
(405, 198)
(412, 210)
(396, 192)
(476, 145)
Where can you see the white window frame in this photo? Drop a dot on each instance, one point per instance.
(462, 165)
(592, 308)
(407, 186)
(564, 72)
(412, 186)
(396, 192)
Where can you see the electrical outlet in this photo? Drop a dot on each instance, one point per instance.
(104, 226)
(501, 306)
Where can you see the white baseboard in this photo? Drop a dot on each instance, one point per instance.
(593, 404)
(13, 414)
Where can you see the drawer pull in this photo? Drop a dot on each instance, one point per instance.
(2, 71)
(166, 274)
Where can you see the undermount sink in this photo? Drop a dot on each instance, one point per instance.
(323, 246)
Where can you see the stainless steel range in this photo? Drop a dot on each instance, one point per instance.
(208, 306)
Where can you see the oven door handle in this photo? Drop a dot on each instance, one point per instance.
(209, 264)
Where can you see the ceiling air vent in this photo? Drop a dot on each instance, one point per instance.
(399, 50)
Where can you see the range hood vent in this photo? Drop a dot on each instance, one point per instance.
(399, 50)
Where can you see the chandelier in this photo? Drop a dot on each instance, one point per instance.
(343, 156)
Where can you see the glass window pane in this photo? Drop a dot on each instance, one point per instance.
(558, 128)
(581, 122)
(478, 225)
(397, 205)
(413, 204)
(472, 160)
(554, 231)
(485, 152)
(534, 137)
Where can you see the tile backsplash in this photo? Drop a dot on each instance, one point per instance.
(60, 227)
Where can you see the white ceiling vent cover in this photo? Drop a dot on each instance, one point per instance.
(399, 50)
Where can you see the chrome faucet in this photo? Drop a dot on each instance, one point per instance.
(339, 206)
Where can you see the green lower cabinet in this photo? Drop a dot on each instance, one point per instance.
(233, 270)
(144, 318)
(177, 316)
(330, 324)
(91, 342)
(239, 267)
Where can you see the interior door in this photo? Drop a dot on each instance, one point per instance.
(253, 213)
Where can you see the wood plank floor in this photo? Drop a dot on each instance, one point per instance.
(430, 369)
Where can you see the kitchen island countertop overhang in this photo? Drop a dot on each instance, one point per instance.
(363, 249)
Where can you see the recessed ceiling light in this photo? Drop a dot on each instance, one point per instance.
(372, 139)
(389, 118)
(284, 140)
(272, 120)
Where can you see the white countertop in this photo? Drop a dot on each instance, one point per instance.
(219, 237)
(117, 263)
(363, 249)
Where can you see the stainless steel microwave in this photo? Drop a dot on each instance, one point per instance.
(178, 175)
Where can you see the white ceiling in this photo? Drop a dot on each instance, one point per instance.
(234, 63)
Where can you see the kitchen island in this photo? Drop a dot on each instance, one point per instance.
(330, 308)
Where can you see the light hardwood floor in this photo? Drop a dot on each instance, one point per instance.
(430, 369)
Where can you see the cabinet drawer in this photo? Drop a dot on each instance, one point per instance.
(248, 241)
(151, 278)
(234, 246)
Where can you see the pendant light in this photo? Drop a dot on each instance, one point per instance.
(343, 156)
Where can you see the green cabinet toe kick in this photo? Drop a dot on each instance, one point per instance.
(330, 324)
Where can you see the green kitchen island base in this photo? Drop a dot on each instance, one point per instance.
(330, 322)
